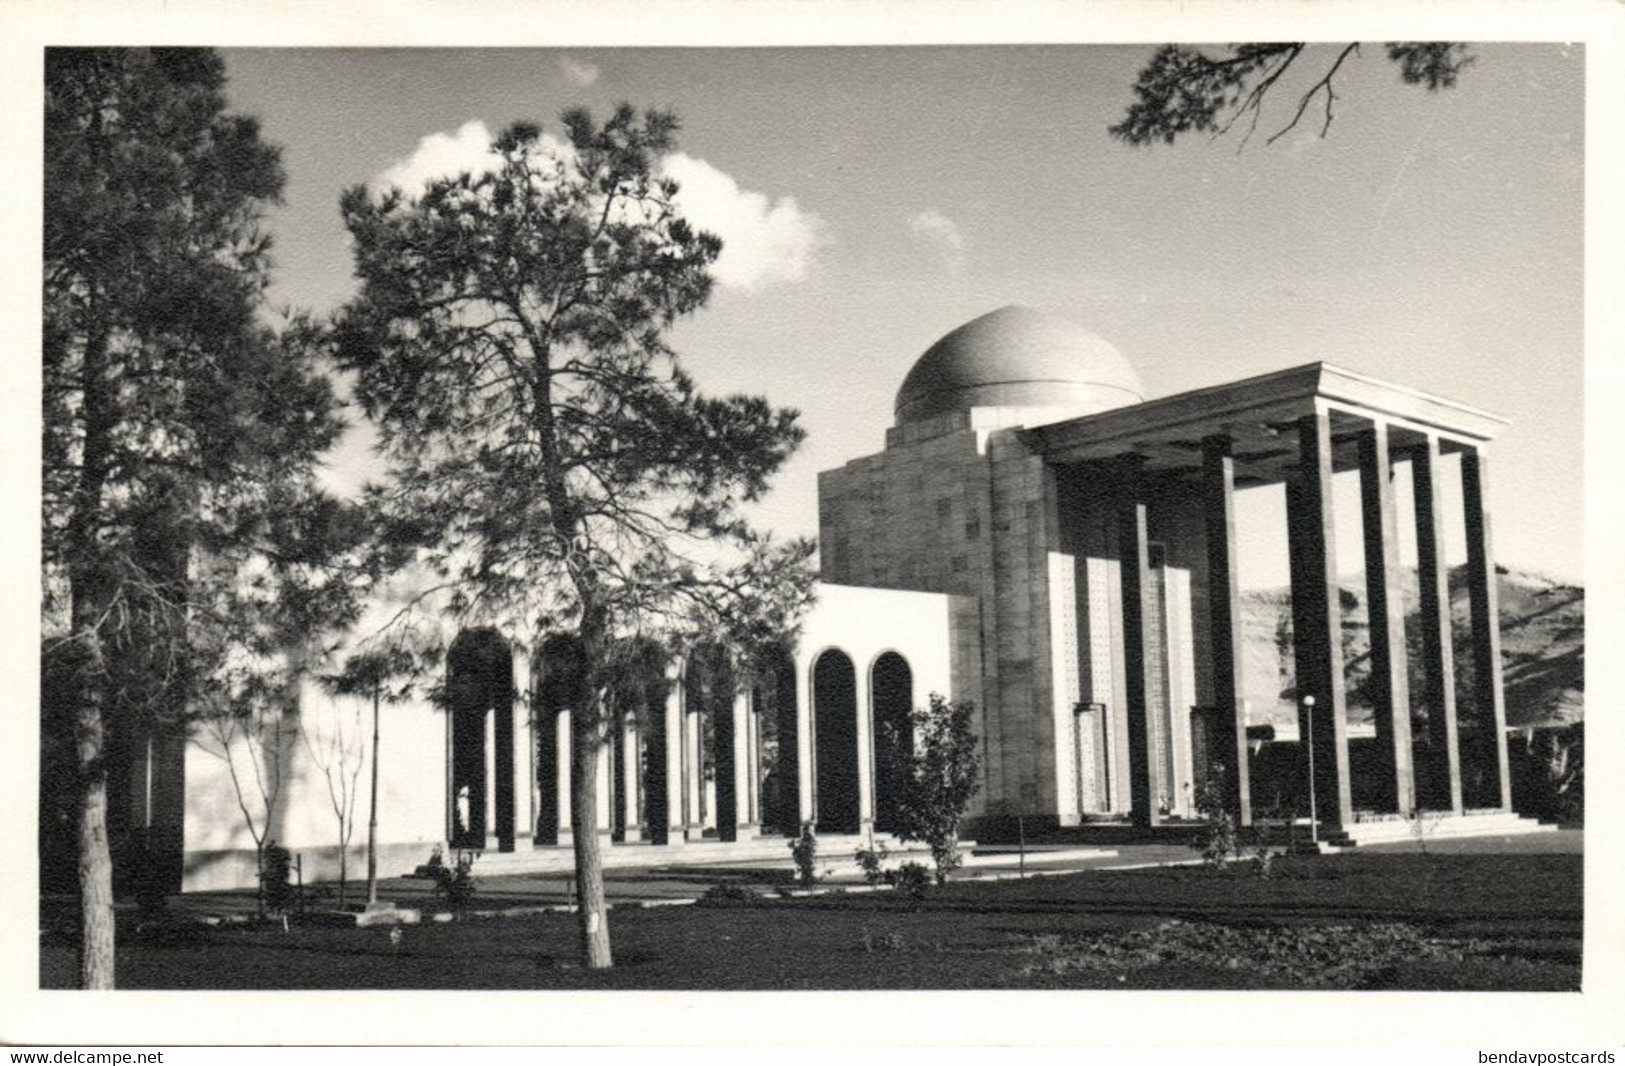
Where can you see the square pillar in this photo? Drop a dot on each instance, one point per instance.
(1317, 623)
(1385, 604)
(674, 757)
(1225, 627)
(1139, 635)
(694, 790)
(1483, 600)
(806, 793)
(866, 752)
(753, 757)
(561, 726)
(1444, 754)
(743, 767)
(631, 782)
(493, 782)
(604, 790)
(527, 797)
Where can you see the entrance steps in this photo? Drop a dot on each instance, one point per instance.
(1432, 827)
(560, 859)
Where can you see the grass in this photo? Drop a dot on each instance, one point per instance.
(1395, 921)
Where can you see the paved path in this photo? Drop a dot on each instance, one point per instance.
(682, 882)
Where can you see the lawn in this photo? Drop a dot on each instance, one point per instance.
(1391, 921)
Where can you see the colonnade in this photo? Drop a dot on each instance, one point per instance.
(691, 765)
(1425, 771)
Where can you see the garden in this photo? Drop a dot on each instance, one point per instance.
(1408, 921)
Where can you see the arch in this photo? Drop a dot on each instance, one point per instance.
(835, 742)
(708, 691)
(560, 685)
(891, 695)
(777, 730)
(638, 684)
(479, 682)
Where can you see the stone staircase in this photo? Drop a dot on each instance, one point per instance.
(1432, 828)
(775, 850)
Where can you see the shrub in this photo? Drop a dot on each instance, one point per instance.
(1295, 956)
(454, 886)
(276, 890)
(724, 894)
(1216, 838)
(911, 878)
(872, 861)
(940, 773)
(804, 850)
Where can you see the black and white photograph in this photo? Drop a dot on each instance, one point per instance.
(1087, 518)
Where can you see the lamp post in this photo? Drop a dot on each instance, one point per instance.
(1309, 718)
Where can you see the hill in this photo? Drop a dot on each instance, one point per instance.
(1542, 647)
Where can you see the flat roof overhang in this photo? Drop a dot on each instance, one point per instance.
(1259, 416)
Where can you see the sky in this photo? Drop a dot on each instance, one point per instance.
(873, 198)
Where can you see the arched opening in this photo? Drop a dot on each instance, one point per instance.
(708, 735)
(561, 687)
(636, 705)
(778, 742)
(835, 736)
(479, 698)
(891, 688)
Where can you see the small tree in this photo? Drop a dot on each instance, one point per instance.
(380, 675)
(941, 774)
(337, 747)
(253, 739)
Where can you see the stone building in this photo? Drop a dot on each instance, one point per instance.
(1036, 536)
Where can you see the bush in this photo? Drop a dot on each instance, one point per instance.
(453, 886)
(276, 890)
(872, 861)
(911, 878)
(804, 850)
(1216, 839)
(940, 772)
(723, 894)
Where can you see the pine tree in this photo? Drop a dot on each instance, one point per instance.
(183, 534)
(560, 471)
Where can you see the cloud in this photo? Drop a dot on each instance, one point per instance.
(441, 155)
(763, 240)
(940, 235)
(578, 71)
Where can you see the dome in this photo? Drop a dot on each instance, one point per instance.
(1017, 357)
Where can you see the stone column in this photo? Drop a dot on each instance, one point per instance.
(1484, 604)
(561, 728)
(674, 756)
(863, 683)
(1139, 635)
(1317, 624)
(1224, 625)
(632, 782)
(753, 759)
(527, 798)
(693, 770)
(492, 840)
(1444, 760)
(744, 787)
(1385, 605)
(806, 779)
(605, 791)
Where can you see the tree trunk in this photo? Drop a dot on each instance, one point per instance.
(593, 914)
(88, 590)
(372, 812)
(95, 860)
